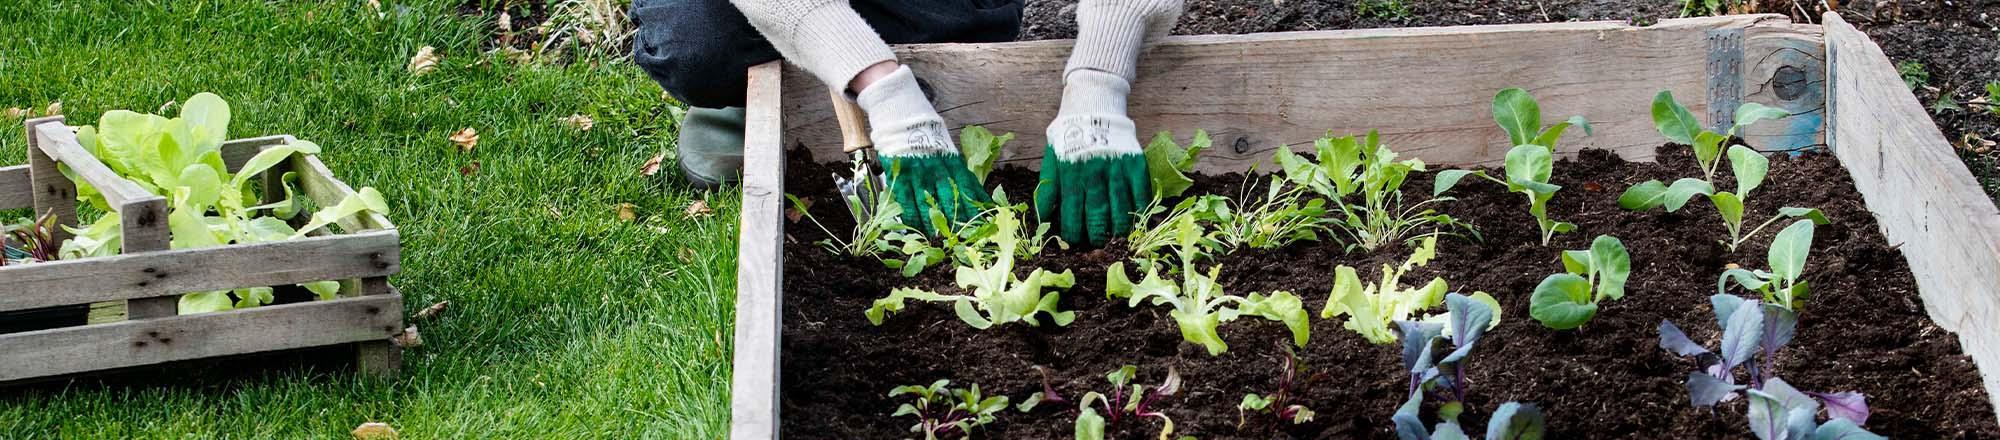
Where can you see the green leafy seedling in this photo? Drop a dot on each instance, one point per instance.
(1346, 169)
(1568, 300)
(997, 295)
(981, 149)
(1199, 304)
(1530, 162)
(1784, 285)
(1679, 125)
(941, 410)
(1167, 162)
(1748, 166)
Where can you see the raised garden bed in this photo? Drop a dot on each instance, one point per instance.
(1875, 323)
(141, 286)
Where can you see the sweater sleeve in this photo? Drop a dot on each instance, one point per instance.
(1111, 33)
(825, 37)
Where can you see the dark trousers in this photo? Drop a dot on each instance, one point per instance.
(699, 50)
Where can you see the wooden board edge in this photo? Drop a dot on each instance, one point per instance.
(125, 344)
(1925, 200)
(319, 183)
(16, 191)
(61, 144)
(236, 152)
(164, 273)
(754, 400)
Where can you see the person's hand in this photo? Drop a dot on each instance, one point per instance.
(924, 168)
(1093, 171)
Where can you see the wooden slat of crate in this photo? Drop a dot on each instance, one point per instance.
(371, 253)
(1428, 89)
(760, 262)
(146, 342)
(15, 190)
(1923, 197)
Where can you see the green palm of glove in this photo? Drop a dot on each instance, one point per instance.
(939, 181)
(1094, 200)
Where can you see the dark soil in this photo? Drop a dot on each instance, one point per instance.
(1864, 329)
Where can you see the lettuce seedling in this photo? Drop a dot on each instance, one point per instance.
(1749, 168)
(1752, 334)
(1167, 162)
(1530, 162)
(981, 149)
(180, 159)
(1282, 217)
(1199, 304)
(1282, 401)
(1679, 125)
(941, 410)
(1372, 308)
(1784, 285)
(1567, 300)
(1346, 169)
(1119, 404)
(1434, 356)
(997, 296)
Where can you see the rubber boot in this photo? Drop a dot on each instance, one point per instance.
(711, 146)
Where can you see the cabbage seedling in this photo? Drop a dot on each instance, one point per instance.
(1748, 166)
(1567, 300)
(997, 297)
(941, 410)
(1199, 304)
(1752, 334)
(1530, 162)
(1347, 168)
(1678, 125)
(1434, 356)
(1784, 284)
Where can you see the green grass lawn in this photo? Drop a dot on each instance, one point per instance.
(565, 322)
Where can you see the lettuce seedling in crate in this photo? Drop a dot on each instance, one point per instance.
(1567, 300)
(1119, 404)
(1199, 304)
(942, 410)
(180, 159)
(1282, 401)
(1679, 125)
(1530, 162)
(1748, 166)
(1372, 308)
(1784, 285)
(1752, 334)
(997, 296)
(1346, 168)
(1434, 356)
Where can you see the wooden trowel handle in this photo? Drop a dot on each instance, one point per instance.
(853, 131)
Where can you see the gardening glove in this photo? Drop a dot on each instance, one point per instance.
(1093, 174)
(924, 167)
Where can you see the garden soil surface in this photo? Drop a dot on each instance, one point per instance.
(1864, 328)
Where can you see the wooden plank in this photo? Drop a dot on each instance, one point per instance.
(60, 144)
(236, 152)
(16, 191)
(1429, 90)
(54, 194)
(143, 225)
(318, 183)
(146, 342)
(760, 258)
(162, 273)
(1923, 197)
(1785, 67)
(378, 358)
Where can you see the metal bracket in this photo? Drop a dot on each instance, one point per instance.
(1725, 76)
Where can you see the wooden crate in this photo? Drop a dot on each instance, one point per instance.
(1429, 91)
(148, 277)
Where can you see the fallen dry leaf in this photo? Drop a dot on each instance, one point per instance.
(1731, 266)
(164, 107)
(687, 255)
(55, 108)
(628, 212)
(1974, 143)
(581, 122)
(794, 214)
(469, 170)
(16, 112)
(433, 310)
(374, 431)
(408, 338)
(652, 166)
(557, 213)
(375, 6)
(506, 25)
(699, 209)
(424, 61)
(466, 139)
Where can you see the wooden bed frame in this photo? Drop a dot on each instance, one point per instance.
(1429, 92)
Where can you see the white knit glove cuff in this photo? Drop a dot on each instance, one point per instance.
(1092, 122)
(901, 120)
